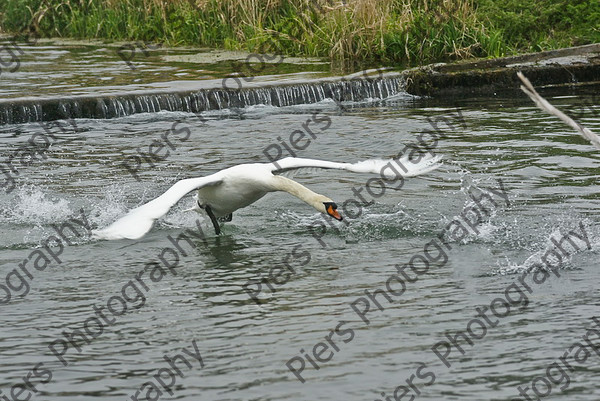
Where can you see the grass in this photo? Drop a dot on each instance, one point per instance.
(357, 31)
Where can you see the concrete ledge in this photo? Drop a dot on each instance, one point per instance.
(574, 65)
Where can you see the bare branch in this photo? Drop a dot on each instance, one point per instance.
(545, 105)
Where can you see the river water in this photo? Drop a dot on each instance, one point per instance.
(542, 178)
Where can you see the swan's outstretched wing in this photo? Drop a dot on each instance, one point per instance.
(390, 168)
(139, 221)
(545, 105)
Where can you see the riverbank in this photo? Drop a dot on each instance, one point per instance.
(171, 79)
(569, 66)
(351, 33)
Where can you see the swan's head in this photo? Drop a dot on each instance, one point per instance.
(330, 208)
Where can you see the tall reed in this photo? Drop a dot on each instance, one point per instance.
(390, 31)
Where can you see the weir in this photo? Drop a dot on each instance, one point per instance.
(199, 99)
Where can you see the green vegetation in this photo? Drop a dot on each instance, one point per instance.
(388, 31)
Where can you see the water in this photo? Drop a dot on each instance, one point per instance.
(549, 174)
(107, 81)
(204, 95)
(87, 67)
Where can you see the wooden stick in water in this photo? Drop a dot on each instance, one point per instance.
(544, 105)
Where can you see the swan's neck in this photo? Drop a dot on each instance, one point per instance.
(298, 190)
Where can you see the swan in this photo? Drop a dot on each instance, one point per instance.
(233, 188)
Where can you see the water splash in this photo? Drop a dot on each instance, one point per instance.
(31, 205)
(551, 256)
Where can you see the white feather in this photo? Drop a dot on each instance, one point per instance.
(139, 221)
(402, 166)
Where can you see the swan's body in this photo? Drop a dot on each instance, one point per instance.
(240, 186)
(236, 187)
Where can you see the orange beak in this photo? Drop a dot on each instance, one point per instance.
(334, 213)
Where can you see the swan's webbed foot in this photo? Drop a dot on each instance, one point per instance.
(226, 219)
(213, 219)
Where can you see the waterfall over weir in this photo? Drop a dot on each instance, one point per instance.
(20, 110)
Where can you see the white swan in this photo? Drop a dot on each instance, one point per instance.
(233, 188)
